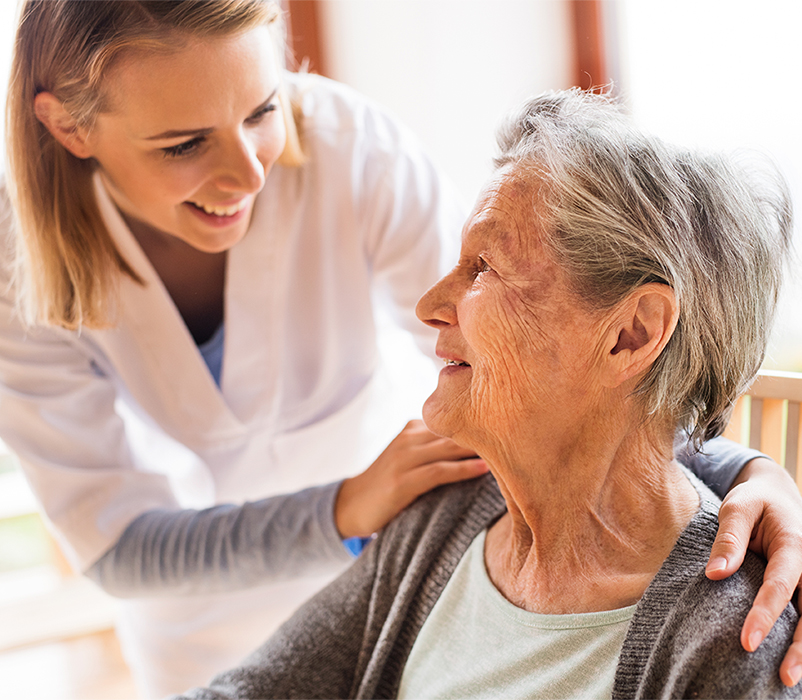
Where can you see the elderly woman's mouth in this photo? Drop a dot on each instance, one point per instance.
(457, 363)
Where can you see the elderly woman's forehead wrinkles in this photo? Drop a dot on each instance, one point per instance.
(504, 216)
(490, 224)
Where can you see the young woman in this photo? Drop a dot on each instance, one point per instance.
(198, 246)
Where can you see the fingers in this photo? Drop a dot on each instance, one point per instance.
(737, 520)
(791, 667)
(415, 462)
(780, 580)
(441, 450)
(415, 434)
(420, 446)
(440, 473)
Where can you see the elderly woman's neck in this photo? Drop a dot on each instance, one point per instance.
(588, 524)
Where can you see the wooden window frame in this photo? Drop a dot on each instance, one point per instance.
(592, 46)
(305, 44)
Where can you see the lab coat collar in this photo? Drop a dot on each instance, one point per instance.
(155, 349)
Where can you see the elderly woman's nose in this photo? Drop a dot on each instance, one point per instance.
(436, 307)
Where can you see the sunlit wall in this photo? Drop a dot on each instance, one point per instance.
(451, 69)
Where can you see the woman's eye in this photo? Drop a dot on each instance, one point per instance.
(483, 266)
(258, 114)
(183, 149)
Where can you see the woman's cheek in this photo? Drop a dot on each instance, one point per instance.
(187, 178)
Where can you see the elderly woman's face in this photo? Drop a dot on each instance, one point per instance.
(519, 347)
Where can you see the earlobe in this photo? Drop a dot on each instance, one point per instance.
(61, 124)
(643, 324)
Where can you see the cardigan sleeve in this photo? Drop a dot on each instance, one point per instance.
(718, 463)
(352, 639)
(316, 653)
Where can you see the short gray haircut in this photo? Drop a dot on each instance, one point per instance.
(623, 209)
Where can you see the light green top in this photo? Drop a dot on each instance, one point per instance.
(476, 644)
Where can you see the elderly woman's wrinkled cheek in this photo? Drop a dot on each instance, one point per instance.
(514, 360)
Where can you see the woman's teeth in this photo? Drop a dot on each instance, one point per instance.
(218, 210)
(456, 362)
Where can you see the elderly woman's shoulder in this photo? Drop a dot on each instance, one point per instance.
(446, 507)
(684, 639)
(445, 520)
(695, 650)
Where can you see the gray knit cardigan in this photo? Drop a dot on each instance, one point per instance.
(353, 639)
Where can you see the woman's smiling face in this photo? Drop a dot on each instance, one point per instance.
(517, 343)
(189, 137)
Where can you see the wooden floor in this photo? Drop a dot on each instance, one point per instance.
(90, 667)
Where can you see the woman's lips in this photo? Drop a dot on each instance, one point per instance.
(219, 215)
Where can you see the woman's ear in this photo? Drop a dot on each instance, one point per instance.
(61, 124)
(642, 326)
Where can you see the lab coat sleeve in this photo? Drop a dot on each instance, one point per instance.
(57, 415)
(718, 463)
(226, 547)
(412, 223)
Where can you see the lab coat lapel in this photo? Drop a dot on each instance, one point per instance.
(256, 289)
(153, 347)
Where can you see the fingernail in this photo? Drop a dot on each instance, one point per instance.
(717, 564)
(795, 674)
(754, 640)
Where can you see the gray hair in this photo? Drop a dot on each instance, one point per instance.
(624, 209)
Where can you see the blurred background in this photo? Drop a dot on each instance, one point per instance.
(710, 73)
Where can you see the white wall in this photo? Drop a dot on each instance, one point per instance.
(450, 69)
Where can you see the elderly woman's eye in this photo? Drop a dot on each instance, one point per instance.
(483, 266)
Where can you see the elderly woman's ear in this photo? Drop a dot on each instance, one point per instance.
(641, 326)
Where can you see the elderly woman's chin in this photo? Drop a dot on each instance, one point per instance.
(439, 414)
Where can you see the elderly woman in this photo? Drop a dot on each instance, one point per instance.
(611, 292)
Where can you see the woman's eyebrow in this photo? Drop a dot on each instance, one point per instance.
(180, 133)
(269, 99)
(177, 133)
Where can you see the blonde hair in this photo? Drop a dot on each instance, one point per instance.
(67, 266)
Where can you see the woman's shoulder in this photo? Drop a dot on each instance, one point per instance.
(333, 113)
(694, 650)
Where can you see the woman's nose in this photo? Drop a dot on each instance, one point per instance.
(240, 169)
(436, 308)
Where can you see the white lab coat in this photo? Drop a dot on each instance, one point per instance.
(110, 423)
